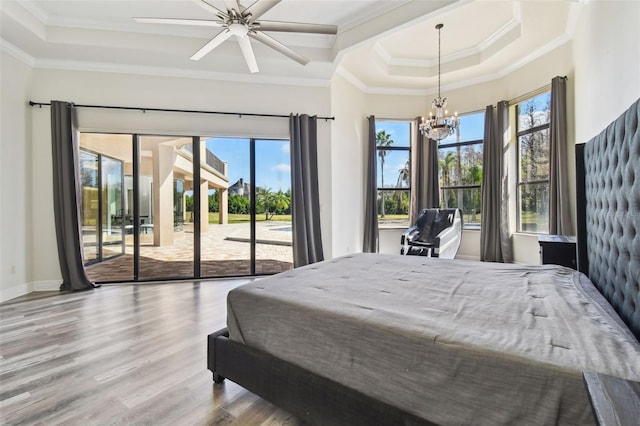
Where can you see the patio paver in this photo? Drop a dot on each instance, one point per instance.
(220, 257)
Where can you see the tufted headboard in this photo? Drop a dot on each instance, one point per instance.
(608, 193)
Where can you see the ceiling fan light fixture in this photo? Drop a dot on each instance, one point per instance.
(439, 126)
(238, 29)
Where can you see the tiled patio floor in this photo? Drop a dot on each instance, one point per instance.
(225, 251)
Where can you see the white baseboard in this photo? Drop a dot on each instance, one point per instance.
(47, 285)
(22, 289)
(14, 291)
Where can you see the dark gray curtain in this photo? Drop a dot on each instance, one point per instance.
(425, 185)
(66, 196)
(370, 243)
(559, 197)
(307, 238)
(495, 241)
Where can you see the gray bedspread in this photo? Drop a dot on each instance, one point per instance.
(454, 342)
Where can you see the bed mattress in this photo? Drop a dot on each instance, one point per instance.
(452, 341)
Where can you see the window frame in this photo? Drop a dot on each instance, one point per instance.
(519, 181)
(407, 188)
(461, 144)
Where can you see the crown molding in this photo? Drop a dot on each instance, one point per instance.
(28, 15)
(355, 81)
(507, 30)
(35, 10)
(104, 67)
(379, 90)
(17, 53)
(381, 8)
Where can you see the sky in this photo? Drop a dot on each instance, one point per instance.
(273, 164)
(394, 161)
(471, 128)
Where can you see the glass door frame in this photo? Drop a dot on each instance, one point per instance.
(99, 222)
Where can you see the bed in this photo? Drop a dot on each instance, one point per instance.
(382, 339)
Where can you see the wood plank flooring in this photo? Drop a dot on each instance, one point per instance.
(130, 354)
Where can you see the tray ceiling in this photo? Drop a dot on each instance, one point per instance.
(382, 46)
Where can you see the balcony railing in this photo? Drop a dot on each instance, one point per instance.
(211, 160)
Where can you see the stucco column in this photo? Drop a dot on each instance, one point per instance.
(204, 206)
(184, 206)
(223, 199)
(163, 195)
(223, 205)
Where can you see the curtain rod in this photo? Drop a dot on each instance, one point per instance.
(190, 111)
(533, 92)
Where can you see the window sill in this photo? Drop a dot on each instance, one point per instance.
(393, 228)
(402, 228)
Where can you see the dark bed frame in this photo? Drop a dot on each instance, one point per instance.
(608, 235)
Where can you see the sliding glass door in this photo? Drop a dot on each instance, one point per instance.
(273, 206)
(249, 230)
(226, 247)
(166, 246)
(105, 159)
(168, 207)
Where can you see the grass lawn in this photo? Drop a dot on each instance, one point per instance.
(245, 218)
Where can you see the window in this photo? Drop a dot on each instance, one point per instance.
(532, 129)
(460, 171)
(393, 146)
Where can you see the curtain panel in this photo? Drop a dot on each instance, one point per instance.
(495, 238)
(425, 185)
(66, 197)
(307, 238)
(370, 242)
(559, 197)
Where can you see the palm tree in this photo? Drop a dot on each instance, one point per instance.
(446, 164)
(272, 202)
(383, 139)
(280, 202)
(403, 175)
(475, 175)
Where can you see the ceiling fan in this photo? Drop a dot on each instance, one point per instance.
(243, 23)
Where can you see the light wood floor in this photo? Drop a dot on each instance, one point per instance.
(120, 355)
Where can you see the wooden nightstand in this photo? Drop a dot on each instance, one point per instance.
(558, 250)
(614, 401)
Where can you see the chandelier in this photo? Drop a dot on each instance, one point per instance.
(438, 126)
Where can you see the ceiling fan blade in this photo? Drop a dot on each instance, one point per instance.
(247, 52)
(259, 8)
(275, 44)
(233, 5)
(212, 8)
(296, 27)
(177, 21)
(212, 44)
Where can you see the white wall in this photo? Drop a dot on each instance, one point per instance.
(160, 92)
(606, 53)
(349, 133)
(15, 180)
